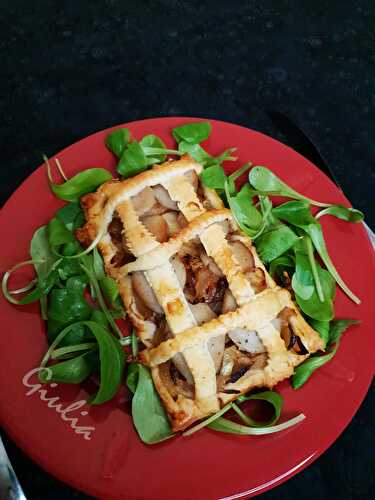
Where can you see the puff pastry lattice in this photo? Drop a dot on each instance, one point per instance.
(213, 322)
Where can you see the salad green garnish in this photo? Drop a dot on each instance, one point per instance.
(81, 304)
(82, 183)
(117, 141)
(136, 156)
(333, 335)
(148, 413)
(192, 133)
(345, 213)
(252, 427)
(275, 242)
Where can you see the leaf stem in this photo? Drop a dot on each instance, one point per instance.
(313, 202)
(244, 229)
(101, 300)
(57, 341)
(242, 415)
(320, 213)
(310, 254)
(87, 250)
(225, 425)
(240, 171)
(4, 282)
(149, 151)
(48, 167)
(134, 343)
(208, 420)
(63, 351)
(59, 168)
(126, 340)
(25, 288)
(317, 238)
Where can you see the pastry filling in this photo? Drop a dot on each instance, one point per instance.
(208, 294)
(181, 263)
(285, 324)
(160, 214)
(116, 233)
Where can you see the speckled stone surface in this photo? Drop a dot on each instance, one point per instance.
(70, 68)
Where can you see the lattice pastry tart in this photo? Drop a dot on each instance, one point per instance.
(212, 321)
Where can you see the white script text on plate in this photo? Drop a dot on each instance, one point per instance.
(52, 402)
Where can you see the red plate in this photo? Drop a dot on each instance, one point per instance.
(114, 463)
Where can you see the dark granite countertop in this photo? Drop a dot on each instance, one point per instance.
(70, 68)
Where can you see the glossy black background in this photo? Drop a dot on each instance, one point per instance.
(70, 68)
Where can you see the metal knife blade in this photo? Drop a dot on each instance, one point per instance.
(300, 141)
(10, 488)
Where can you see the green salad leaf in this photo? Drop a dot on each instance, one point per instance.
(82, 183)
(132, 377)
(303, 371)
(58, 234)
(322, 327)
(298, 214)
(338, 327)
(94, 283)
(72, 371)
(43, 285)
(77, 333)
(196, 152)
(44, 258)
(133, 160)
(68, 304)
(266, 182)
(213, 177)
(111, 362)
(201, 156)
(275, 242)
(303, 277)
(313, 306)
(245, 213)
(111, 292)
(150, 145)
(192, 133)
(218, 423)
(137, 156)
(148, 414)
(71, 215)
(40, 250)
(98, 316)
(68, 268)
(118, 140)
(98, 265)
(283, 264)
(345, 213)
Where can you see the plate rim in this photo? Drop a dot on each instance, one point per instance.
(265, 486)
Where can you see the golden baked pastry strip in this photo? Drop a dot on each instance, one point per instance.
(119, 199)
(161, 276)
(209, 229)
(255, 313)
(204, 354)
